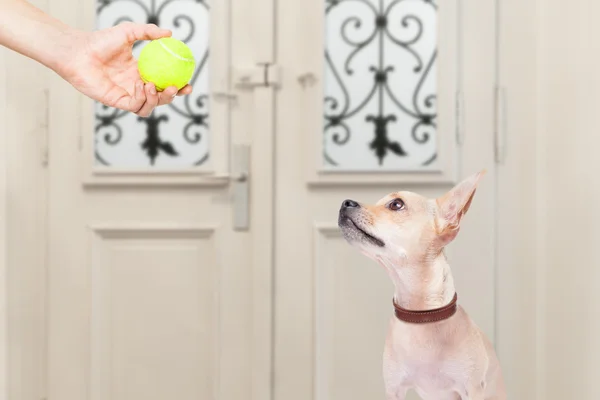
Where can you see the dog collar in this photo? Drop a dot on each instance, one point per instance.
(423, 317)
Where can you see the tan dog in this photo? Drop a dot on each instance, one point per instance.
(432, 345)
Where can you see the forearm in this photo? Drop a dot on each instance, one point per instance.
(33, 33)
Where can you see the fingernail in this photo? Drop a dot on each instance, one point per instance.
(152, 89)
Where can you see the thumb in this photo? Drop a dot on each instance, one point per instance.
(135, 32)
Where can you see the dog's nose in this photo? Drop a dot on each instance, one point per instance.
(350, 204)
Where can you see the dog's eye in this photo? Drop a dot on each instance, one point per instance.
(396, 205)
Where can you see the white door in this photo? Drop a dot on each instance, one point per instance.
(367, 106)
(157, 241)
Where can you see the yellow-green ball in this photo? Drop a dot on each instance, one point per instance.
(166, 62)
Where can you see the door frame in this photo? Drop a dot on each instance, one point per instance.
(4, 376)
(520, 308)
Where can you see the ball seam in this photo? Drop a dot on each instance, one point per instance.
(171, 52)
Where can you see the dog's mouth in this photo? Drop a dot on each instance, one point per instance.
(352, 231)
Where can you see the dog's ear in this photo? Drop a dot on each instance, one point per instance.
(453, 205)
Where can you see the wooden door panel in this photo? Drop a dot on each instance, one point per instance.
(333, 303)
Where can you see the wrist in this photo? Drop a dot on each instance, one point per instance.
(62, 57)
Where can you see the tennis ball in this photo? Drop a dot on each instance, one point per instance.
(166, 62)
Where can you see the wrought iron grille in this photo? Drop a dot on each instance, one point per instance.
(380, 94)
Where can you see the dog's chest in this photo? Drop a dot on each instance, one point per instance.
(432, 379)
(433, 383)
(425, 363)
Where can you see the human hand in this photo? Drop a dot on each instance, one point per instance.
(101, 66)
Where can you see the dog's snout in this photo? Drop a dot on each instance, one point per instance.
(350, 204)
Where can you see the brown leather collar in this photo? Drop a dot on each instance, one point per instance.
(423, 317)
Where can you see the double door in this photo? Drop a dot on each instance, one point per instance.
(195, 253)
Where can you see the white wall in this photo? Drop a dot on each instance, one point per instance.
(569, 194)
(550, 268)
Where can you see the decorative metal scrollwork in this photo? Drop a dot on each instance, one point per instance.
(178, 131)
(380, 69)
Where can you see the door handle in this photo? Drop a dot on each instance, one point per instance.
(241, 187)
(239, 178)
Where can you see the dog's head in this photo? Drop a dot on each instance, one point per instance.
(406, 225)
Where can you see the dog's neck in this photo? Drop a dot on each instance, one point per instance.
(421, 285)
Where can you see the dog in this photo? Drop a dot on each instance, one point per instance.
(432, 345)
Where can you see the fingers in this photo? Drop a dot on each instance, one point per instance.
(137, 32)
(151, 101)
(167, 96)
(135, 102)
(146, 98)
(186, 90)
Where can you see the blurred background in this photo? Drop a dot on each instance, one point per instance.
(195, 254)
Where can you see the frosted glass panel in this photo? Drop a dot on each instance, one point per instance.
(174, 136)
(380, 85)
